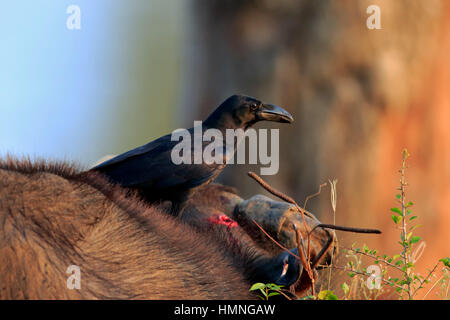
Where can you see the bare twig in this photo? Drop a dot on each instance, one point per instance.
(286, 198)
(323, 251)
(333, 195)
(305, 259)
(284, 294)
(425, 279)
(348, 229)
(432, 287)
(306, 263)
(364, 274)
(314, 195)
(279, 194)
(304, 208)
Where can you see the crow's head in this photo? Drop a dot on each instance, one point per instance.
(240, 111)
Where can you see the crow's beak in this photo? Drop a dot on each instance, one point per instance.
(274, 113)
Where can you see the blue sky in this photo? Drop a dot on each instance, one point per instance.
(58, 87)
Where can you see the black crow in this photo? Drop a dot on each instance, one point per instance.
(151, 170)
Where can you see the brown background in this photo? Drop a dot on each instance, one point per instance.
(358, 97)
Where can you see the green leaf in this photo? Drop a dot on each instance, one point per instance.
(412, 218)
(351, 274)
(327, 295)
(263, 292)
(415, 227)
(274, 294)
(445, 261)
(409, 204)
(273, 286)
(396, 219)
(366, 248)
(397, 210)
(414, 239)
(332, 297)
(398, 196)
(345, 288)
(408, 235)
(403, 243)
(257, 286)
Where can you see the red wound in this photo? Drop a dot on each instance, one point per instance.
(224, 220)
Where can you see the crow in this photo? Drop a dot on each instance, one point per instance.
(151, 171)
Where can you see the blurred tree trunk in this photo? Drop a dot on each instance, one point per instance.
(358, 97)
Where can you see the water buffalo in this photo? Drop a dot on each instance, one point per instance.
(53, 216)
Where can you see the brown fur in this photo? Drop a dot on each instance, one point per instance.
(52, 217)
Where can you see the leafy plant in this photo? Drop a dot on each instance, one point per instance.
(267, 290)
(408, 283)
(327, 295)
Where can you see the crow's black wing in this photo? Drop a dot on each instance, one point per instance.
(160, 143)
(151, 166)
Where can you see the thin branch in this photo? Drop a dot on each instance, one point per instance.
(306, 263)
(403, 200)
(275, 241)
(364, 274)
(304, 208)
(432, 287)
(333, 195)
(286, 198)
(348, 229)
(323, 251)
(376, 258)
(279, 194)
(425, 279)
(304, 259)
(314, 195)
(269, 188)
(284, 294)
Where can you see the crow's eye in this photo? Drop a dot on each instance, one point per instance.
(253, 106)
